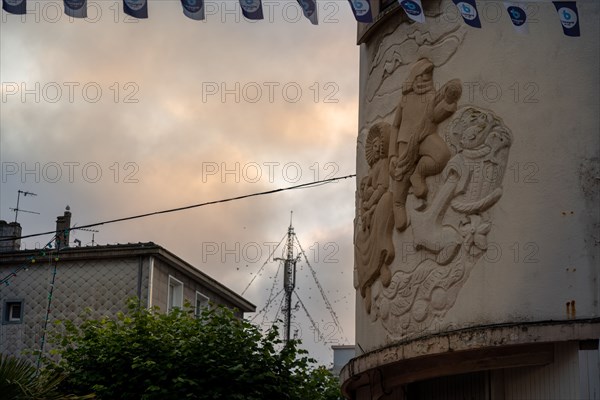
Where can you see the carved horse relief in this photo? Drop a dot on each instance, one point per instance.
(449, 233)
(446, 210)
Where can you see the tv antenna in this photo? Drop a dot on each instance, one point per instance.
(94, 231)
(17, 209)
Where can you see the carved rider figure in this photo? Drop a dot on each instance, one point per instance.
(373, 246)
(416, 150)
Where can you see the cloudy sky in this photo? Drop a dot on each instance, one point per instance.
(116, 117)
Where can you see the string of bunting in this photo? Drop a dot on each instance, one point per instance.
(48, 310)
(53, 257)
(517, 11)
(31, 260)
(362, 10)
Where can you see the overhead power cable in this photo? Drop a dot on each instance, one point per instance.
(171, 210)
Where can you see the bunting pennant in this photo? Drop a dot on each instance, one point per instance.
(76, 8)
(136, 8)
(468, 10)
(14, 6)
(193, 9)
(569, 18)
(413, 9)
(518, 16)
(361, 10)
(252, 9)
(309, 8)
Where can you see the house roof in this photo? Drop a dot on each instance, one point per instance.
(133, 250)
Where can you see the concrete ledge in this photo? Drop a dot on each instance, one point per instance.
(462, 351)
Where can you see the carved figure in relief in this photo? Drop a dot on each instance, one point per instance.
(472, 184)
(416, 150)
(398, 46)
(482, 142)
(450, 233)
(374, 250)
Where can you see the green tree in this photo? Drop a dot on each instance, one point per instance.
(145, 354)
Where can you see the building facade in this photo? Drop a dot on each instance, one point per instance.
(341, 355)
(477, 219)
(101, 278)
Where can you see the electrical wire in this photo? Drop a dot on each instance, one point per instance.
(171, 210)
(272, 298)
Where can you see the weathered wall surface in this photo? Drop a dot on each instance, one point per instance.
(160, 289)
(102, 285)
(477, 174)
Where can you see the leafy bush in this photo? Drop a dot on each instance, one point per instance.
(145, 354)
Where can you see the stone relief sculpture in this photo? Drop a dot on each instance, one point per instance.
(448, 235)
(374, 249)
(416, 150)
(436, 189)
(437, 43)
(398, 47)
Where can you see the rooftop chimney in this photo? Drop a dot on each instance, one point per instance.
(63, 227)
(12, 231)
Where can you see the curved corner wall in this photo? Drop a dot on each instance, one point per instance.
(477, 192)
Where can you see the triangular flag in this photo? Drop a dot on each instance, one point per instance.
(252, 9)
(14, 6)
(309, 9)
(413, 9)
(136, 8)
(569, 18)
(468, 10)
(361, 10)
(193, 9)
(518, 16)
(76, 8)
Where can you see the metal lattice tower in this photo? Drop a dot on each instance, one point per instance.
(289, 288)
(289, 280)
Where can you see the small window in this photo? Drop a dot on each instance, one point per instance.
(13, 312)
(201, 303)
(175, 294)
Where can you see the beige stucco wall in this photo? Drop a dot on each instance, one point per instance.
(160, 287)
(541, 260)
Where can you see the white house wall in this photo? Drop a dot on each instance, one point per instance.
(160, 285)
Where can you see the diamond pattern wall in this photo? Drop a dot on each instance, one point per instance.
(102, 285)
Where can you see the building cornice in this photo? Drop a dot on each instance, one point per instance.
(130, 250)
(462, 351)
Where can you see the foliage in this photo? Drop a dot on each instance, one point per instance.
(145, 354)
(19, 380)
